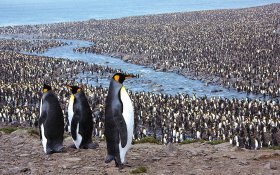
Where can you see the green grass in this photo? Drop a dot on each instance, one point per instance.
(8, 130)
(216, 142)
(139, 170)
(147, 140)
(272, 147)
(191, 141)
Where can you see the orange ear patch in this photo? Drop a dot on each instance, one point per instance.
(117, 78)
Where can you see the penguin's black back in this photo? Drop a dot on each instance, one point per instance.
(52, 118)
(115, 127)
(83, 112)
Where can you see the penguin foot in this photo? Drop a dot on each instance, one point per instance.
(127, 165)
(109, 158)
(120, 166)
(49, 151)
(90, 146)
(59, 149)
(73, 146)
(56, 149)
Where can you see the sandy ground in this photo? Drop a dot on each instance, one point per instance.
(22, 153)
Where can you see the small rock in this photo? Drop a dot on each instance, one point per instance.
(236, 149)
(273, 165)
(168, 172)
(90, 168)
(73, 159)
(206, 167)
(75, 167)
(23, 170)
(24, 155)
(267, 166)
(204, 154)
(18, 170)
(243, 163)
(171, 164)
(194, 154)
(135, 154)
(225, 155)
(64, 166)
(156, 158)
(122, 170)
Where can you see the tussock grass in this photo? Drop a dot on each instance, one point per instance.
(8, 130)
(139, 170)
(147, 140)
(191, 141)
(216, 142)
(272, 147)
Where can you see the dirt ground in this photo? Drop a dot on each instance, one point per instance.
(22, 153)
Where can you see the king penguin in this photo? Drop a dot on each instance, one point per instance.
(80, 119)
(51, 122)
(119, 120)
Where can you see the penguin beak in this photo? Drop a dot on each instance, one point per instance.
(129, 76)
(69, 87)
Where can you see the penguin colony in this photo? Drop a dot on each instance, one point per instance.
(243, 122)
(237, 48)
(249, 123)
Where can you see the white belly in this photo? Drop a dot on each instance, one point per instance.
(78, 140)
(128, 114)
(44, 139)
(70, 112)
(41, 104)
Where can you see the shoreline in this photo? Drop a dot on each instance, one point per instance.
(10, 24)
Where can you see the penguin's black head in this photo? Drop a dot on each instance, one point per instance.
(120, 77)
(46, 88)
(74, 89)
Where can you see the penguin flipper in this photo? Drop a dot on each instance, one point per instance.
(74, 124)
(58, 148)
(42, 119)
(40, 133)
(122, 128)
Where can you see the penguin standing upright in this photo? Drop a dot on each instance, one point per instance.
(80, 119)
(51, 122)
(119, 120)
